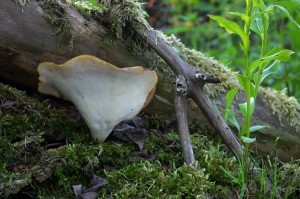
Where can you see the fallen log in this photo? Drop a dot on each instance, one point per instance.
(33, 34)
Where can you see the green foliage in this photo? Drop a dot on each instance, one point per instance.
(256, 18)
(238, 177)
(232, 28)
(202, 34)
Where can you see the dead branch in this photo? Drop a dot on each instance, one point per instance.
(193, 83)
(183, 127)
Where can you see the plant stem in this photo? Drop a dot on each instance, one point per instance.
(264, 43)
(248, 83)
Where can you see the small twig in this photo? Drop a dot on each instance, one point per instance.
(195, 83)
(208, 78)
(183, 128)
(194, 87)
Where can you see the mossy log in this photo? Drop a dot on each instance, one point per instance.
(44, 31)
(48, 30)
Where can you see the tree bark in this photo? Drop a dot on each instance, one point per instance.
(27, 38)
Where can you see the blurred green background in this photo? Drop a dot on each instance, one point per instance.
(188, 20)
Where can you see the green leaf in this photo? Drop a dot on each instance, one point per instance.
(242, 80)
(260, 21)
(252, 105)
(283, 55)
(252, 89)
(248, 140)
(228, 100)
(242, 131)
(243, 107)
(274, 50)
(260, 4)
(234, 179)
(266, 72)
(256, 128)
(231, 27)
(232, 119)
(285, 11)
(257, 25)
(243, 16)
(230, 96)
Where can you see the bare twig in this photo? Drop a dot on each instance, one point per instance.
(194, 87)
(195, 82)
(183, 128)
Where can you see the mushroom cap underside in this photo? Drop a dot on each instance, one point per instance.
(104, 94)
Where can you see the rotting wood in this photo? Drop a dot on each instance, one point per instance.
(27, 39)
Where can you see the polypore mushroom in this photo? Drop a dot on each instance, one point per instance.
(104, 94)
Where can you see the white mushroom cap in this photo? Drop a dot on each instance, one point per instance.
(104, 94)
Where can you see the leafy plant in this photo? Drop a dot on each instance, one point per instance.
(256, 20)
(202, 34)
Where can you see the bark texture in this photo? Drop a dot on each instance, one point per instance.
(27, 38)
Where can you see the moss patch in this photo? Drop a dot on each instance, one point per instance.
(57, 16)
(22, 2)
(45, 151)
(283, 106)
(28, 128)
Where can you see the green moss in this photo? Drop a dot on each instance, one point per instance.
(46, 152)
(12, 182)
(166, 176)
(121, 12)
(57, 16)
(87, 8)
(197, 60)
(289, 179)
(22, 2)
(26, 127)
(158, 183)
(283, 106)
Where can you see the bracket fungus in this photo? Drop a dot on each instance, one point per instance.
(104, 94)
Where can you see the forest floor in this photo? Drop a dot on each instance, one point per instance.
(46, 150)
